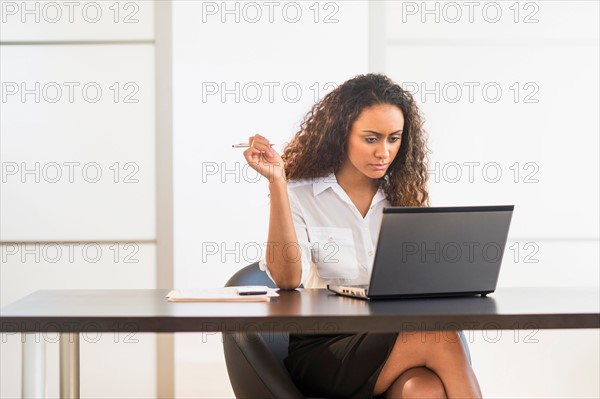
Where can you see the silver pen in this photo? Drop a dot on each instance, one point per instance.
(242, 145)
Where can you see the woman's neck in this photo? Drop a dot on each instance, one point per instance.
(355, 183)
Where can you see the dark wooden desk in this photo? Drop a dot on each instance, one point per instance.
(71, 312)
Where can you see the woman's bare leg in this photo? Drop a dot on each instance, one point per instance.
(442, 352)
(417, 383)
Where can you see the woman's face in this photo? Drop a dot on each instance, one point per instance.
(374, 140)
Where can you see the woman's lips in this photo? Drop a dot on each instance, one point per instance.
(379, 166)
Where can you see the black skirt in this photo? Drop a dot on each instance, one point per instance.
(338, 366)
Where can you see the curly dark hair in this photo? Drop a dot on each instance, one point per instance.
(319, 148)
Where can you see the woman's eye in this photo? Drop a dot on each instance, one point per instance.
(371, 139)
(394, 139)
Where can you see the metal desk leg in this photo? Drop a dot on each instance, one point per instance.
(33, 366)
(69, 365)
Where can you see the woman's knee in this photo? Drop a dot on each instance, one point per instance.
(451, 344)
(417, 382)
(431, 342)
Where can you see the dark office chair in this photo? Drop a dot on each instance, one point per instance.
(255, 360)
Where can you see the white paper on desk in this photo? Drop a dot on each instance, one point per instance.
(227, 294)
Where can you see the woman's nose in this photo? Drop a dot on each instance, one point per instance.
(383, 150)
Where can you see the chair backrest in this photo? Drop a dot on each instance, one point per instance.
(255, 361)
(252, 275)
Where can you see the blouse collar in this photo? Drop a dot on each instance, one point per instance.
(321, 184)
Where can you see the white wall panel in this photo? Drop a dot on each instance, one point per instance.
(104, 124)
(550, 263)
(109, 363)
(543, 142)
(536, 363)
(209, 380)
(519, 22)
(44, 21)
(76, 265)
(267, 34)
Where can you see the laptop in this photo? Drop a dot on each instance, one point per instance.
(436, 252)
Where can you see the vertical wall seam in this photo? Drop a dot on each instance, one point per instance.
(165, 356)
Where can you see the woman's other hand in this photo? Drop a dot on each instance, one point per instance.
(264, 159)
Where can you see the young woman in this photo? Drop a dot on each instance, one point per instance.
(360, 149)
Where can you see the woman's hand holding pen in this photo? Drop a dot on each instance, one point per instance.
(264, 159)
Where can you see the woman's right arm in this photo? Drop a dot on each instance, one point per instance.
(283, 252)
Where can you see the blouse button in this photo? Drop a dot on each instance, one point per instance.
(330, 239)
(370, 253)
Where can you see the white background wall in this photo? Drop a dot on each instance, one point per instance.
(224, 65)
(107, 219)
(548, 135)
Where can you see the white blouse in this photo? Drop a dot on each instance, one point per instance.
(337, 245)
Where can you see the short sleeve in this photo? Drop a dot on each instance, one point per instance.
(303, 243)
